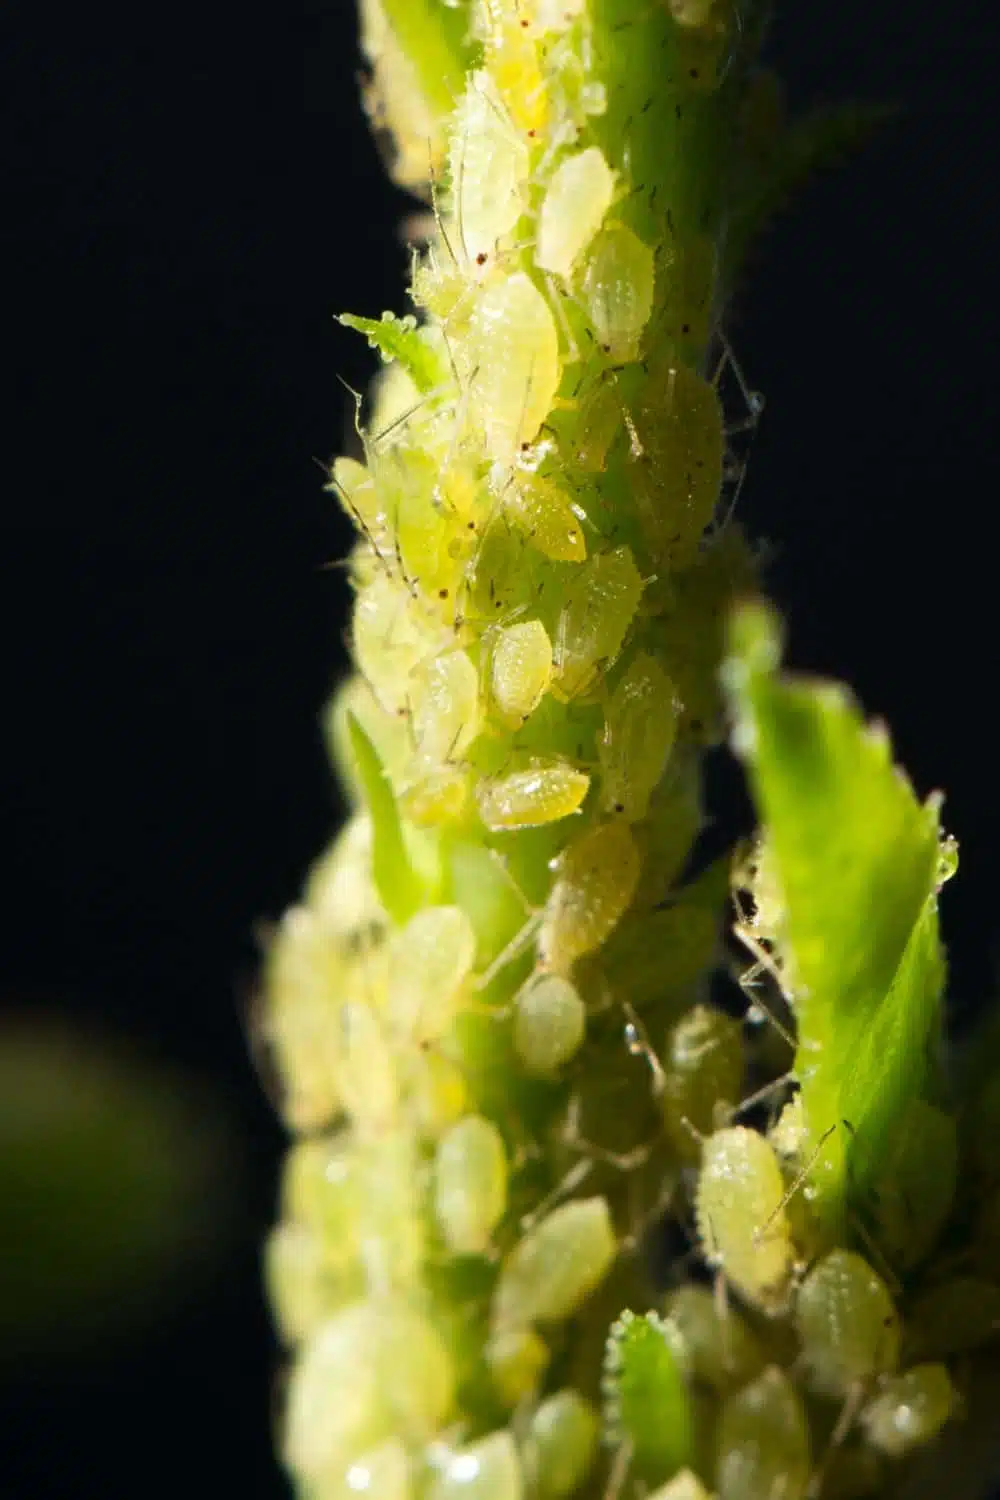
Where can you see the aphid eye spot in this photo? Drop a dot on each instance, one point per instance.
(481, 258)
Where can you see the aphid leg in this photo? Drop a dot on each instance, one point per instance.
(620, 1466)
(572, 354)
(509, 952)
(852, 1404)
(758, 1097)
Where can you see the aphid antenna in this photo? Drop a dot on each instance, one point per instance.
(638, 1044)
(794, 1186)
(875, 1251)
(574, 1178)
(512, 950)
(759, 1096)
(620, 1465)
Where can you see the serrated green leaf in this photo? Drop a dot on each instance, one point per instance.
(401, 340)
(647, 1402)
(399, 886)
(857, 861)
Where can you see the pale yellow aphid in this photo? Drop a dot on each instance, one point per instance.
(516, 1358)
(513, 62)
(740, 1207)
(383, 1471)
(762, 1443)
(520, 671)
(550, 1021)
(601, 603)
(561, 1444)
(390, 640)
(577, 198)
(446, 712)
(489, 163)
(848, 1324)
(470, 1184)
(430, 960)
(372, 1371)
(306, 974)
(909, 1409)
(299, 1285)
(684, 1486)
(440, 797)
(542, 792)
(640, 725)
(545, 513)
(514, 365)
(554, 1268)
(596, 878)
(390, 1226)
(437, 1094)
(487, 1470)
(616, 289)
(354, 484)
(369, 1077)
(396, 103)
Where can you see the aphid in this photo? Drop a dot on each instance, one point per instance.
(390, 1235)
(489, 166)
(678, 451)
(600, 421)
(554, 1268)
(577, 198)
(647, 1403)
(305, 974)
(390, 640)
(595, 881)
(489, 1469)
(430, 960)
(848, 1324)
(616, 287)
(369, 1077)
(684, 1486)
(514, 365)
(516, 1358)
(446, 713)
(601, 603)
(639, 731)
(470, 1184)
(913, 1193)
(397, 105)
(355, 486)
(550, 1021)
(909, 1410)
(717, 1346)
(373, 1370)
(436, 1091)
(762, 1444)
(520, 670)
(561, 1445)
(953, 1317)
(542, 792)
(511, 54)
(702, 1076)
(383, 1471)
(299, 1285)
(441, 797)
(740, 1208)
(543, 511)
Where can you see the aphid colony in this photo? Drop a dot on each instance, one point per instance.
(487, 1014)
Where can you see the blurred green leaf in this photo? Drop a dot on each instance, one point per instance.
(857, 861)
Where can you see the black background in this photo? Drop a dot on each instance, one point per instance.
(189, 195)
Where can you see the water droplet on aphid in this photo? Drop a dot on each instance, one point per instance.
(632, 1039)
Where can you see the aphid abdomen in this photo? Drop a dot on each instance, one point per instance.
(741, 1216)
